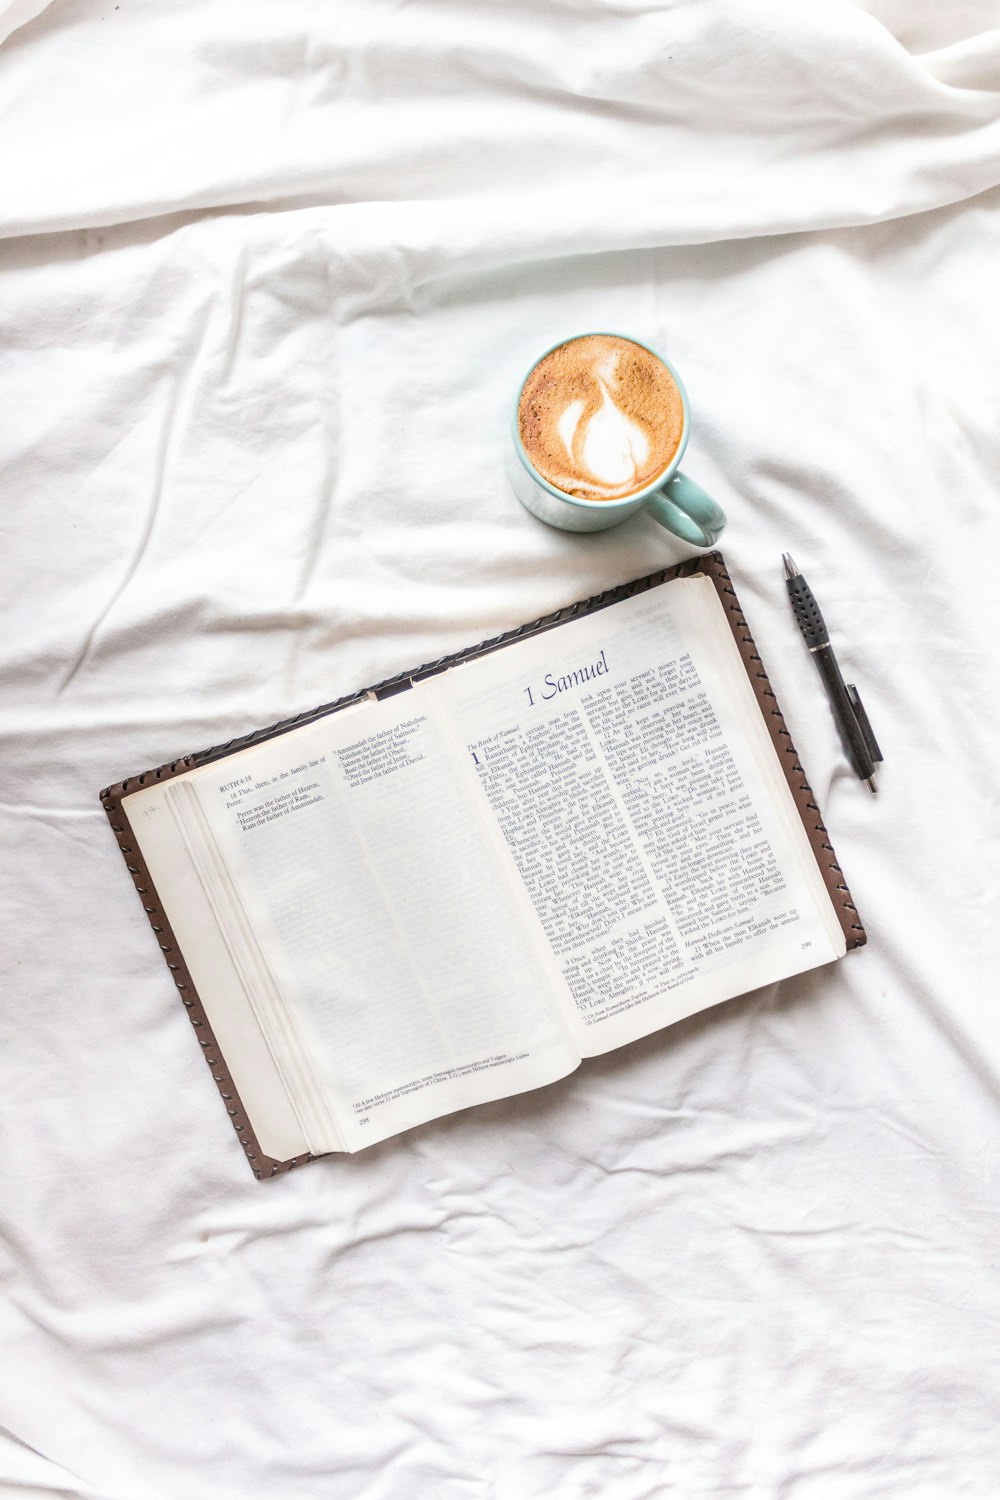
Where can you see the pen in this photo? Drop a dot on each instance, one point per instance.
(848, 710)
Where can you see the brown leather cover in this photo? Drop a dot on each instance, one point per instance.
(711, 564)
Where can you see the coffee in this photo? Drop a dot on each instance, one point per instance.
(600, 417)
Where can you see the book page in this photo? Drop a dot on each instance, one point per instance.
(381, 948)
(628, 771)
(261, 1090)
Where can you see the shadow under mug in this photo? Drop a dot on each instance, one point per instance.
(671, 498)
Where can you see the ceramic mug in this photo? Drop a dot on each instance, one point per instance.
(671, 498)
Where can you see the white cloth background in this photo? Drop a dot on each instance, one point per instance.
(269, 275)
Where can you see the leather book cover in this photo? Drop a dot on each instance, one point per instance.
(710, 564)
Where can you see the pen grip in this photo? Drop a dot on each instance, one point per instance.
(807, 613)
(843, 711)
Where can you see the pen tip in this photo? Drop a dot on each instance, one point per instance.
(791, 571)
(871, 784)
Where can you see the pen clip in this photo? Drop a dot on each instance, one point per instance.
(864, 724)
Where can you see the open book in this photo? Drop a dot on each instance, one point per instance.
(456, 886)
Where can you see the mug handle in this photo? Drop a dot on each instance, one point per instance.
(684, 508)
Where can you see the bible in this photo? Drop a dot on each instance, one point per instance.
(456, 885)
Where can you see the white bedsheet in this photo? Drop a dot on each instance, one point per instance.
(269, 275)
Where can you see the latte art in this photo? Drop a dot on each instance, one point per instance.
(600, 417)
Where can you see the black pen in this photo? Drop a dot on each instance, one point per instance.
(848, 710)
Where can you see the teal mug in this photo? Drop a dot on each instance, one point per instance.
(672, 499)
